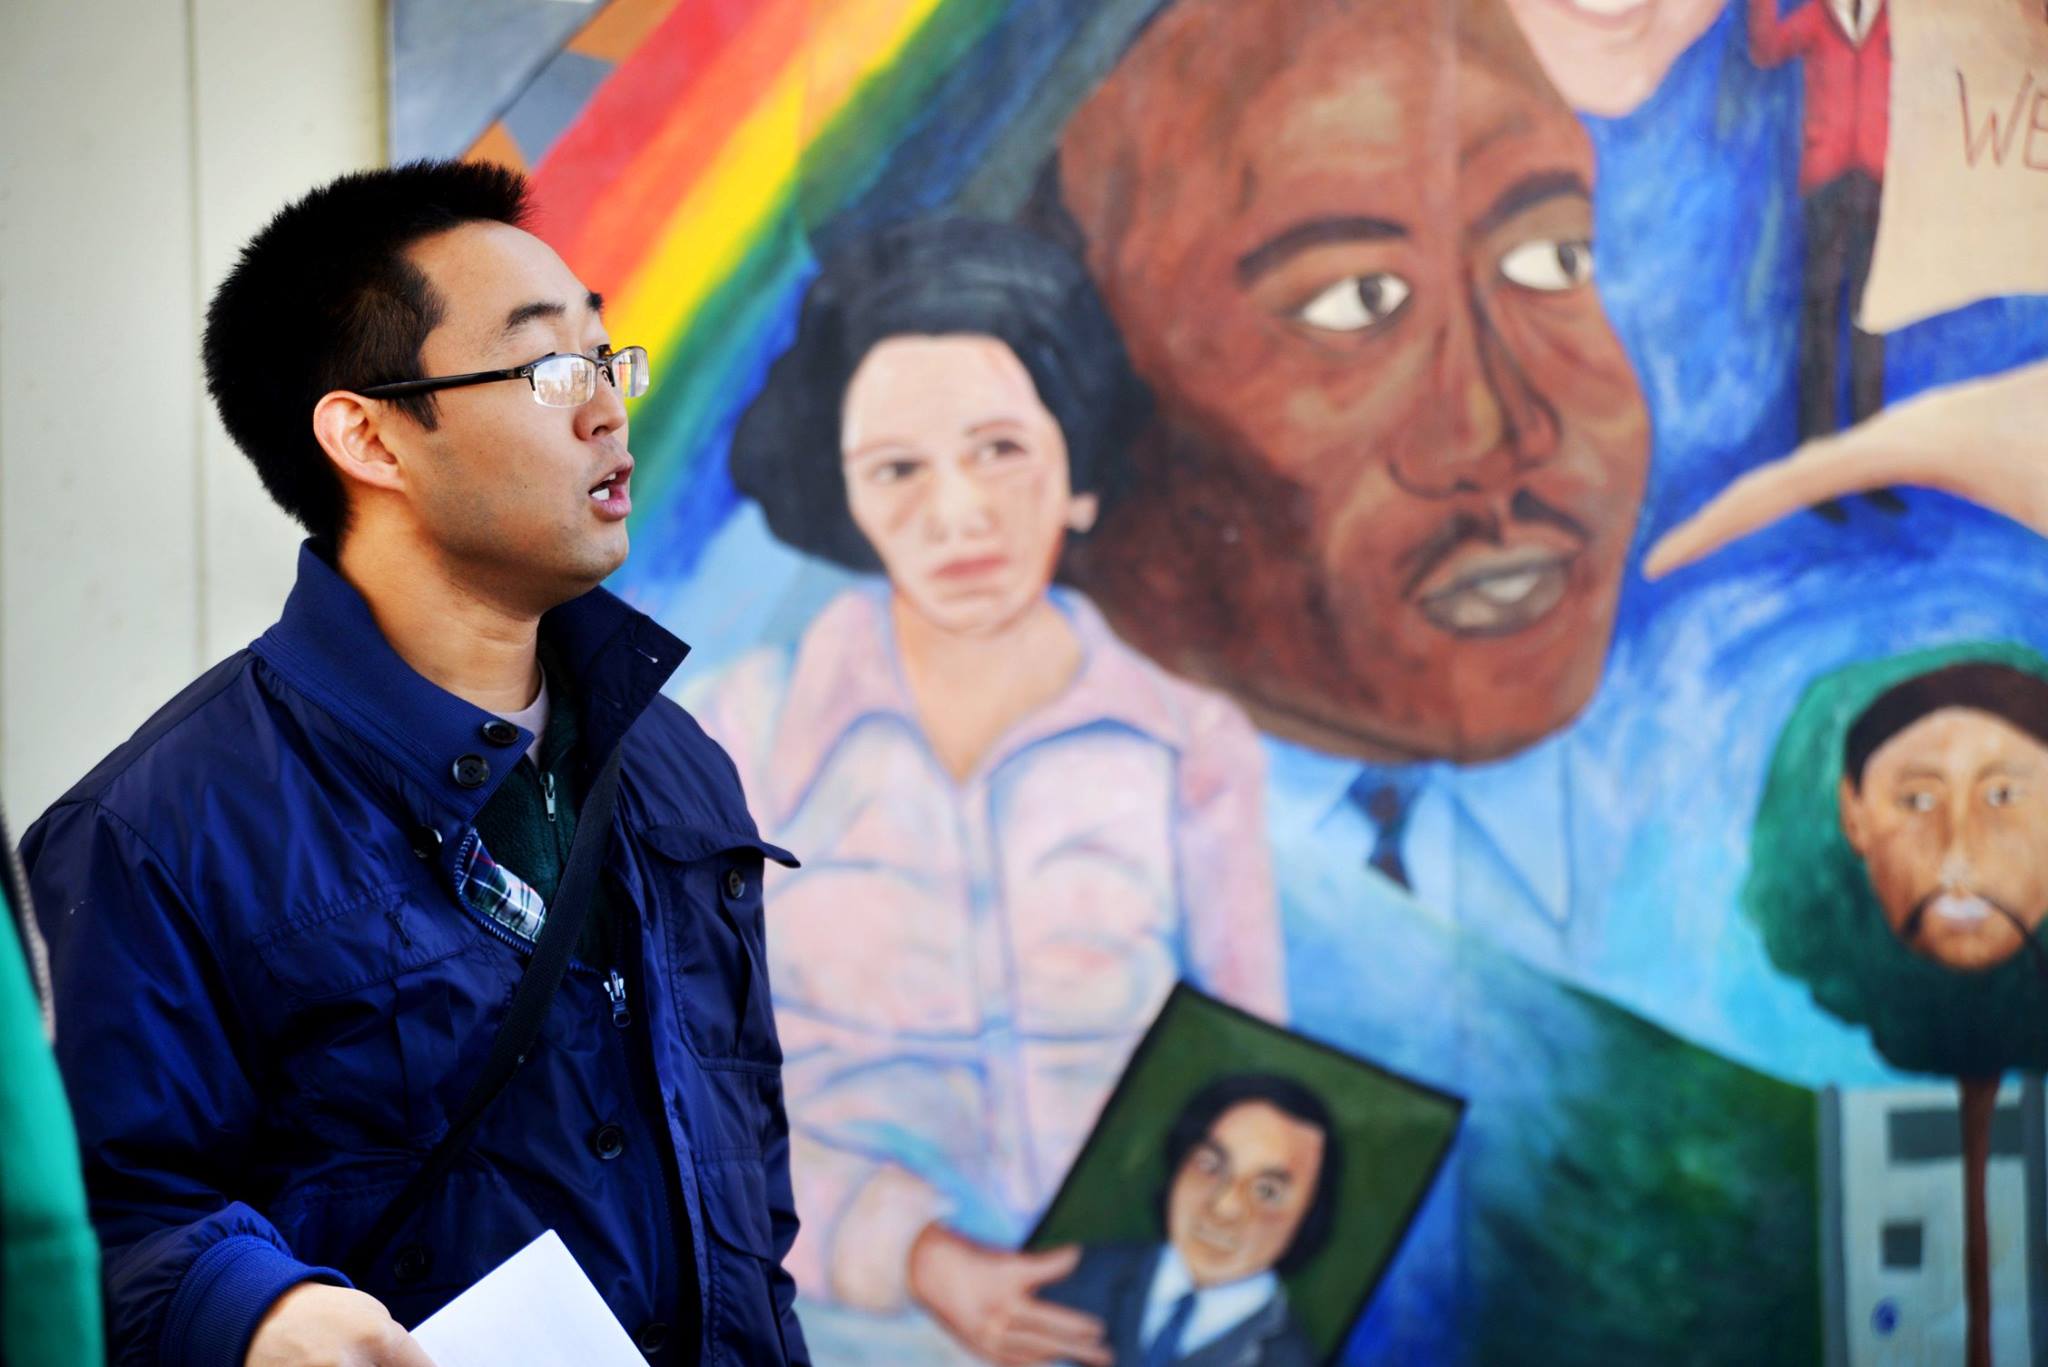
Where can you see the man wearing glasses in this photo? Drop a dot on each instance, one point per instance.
(351, 1004)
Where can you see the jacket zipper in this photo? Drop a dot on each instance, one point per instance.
(518, 942)
(547, 792)
(615, 988)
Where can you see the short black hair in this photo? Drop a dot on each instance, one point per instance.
(1191, 1128)
(933, 277)
(324, 298)
(2010, 694)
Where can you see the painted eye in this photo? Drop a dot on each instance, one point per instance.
(1551, 265)
(1266, 1193)
(1000, 448)
(893, 471)
(1355, 303)
(2002, 794)
(1918, 802)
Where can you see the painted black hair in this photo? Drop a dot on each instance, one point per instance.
(2010, 694)
(325, 298)
(933, 278)
(1191, 1127)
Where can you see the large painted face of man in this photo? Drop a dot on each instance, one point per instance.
(1241, 1194)
(1399, 450)
(1951, 819)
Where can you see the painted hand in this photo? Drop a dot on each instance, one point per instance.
(983, 1297)
(1983, 440)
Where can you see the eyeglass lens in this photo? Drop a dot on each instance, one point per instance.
(629, 369)
(570, 381)
(565, 381)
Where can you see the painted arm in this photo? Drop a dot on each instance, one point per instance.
(861, 1212)
(1983, 440)
(877, 1237)
(1775, 40)
(862, 1216)
(1226, 863)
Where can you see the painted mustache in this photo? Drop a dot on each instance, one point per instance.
(1916, 922)
(1464, 529)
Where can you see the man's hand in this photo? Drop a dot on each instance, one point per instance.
(983, 1298)
(317, 1325)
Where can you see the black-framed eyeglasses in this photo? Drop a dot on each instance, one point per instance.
(562, 379)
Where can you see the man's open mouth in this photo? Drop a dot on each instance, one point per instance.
(1498, 594)
(613, 493)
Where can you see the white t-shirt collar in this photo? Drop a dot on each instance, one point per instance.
(533, 717)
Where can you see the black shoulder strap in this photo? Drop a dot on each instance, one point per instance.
(530, 1002)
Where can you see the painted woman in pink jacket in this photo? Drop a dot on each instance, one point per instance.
(1017, 832)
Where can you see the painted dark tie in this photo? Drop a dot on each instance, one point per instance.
(1387, 802)
(1165, 1349)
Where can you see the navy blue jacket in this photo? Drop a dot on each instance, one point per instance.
(271, 1000)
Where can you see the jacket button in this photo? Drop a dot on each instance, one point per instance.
(652, 1338)
(608, 1142)
(735, 884)
(500, 732)
(425, 841)
(471, 771)
(410, 1264)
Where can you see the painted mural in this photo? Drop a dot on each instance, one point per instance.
(1478, 564)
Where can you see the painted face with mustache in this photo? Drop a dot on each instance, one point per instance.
(1399, 449)
(1951, 820)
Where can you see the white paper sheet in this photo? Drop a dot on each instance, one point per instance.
(535, 1309)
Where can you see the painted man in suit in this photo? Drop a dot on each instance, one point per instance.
(1846, 46)
(1250, 1199)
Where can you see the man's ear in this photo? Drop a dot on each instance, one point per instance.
(1849, 807)
(1082, 510)
(350, 429)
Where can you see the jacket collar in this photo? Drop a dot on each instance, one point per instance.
(1857, 19)
(327, 646)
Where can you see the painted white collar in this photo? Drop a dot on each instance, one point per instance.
(1308, 790)
(1857, 17)
(1218, 1309)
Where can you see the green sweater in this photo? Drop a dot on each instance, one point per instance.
(531, 819)
(49, 1261)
